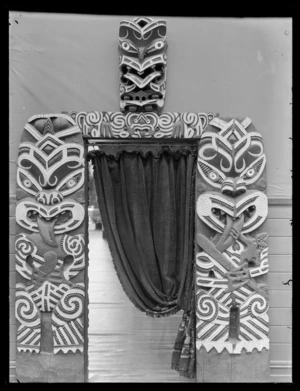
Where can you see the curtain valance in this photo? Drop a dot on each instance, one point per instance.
(155, 150)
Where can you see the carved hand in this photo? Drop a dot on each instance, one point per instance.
(238, 277)
(40, 274)
(251, 255)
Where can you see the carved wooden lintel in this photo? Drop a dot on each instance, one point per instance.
(97, 124)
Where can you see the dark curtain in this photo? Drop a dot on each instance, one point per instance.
(146, 200)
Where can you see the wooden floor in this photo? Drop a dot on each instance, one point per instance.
(125, 345)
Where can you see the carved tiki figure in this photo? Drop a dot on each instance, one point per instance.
(50, 242)
(232, 249)
(143, 64)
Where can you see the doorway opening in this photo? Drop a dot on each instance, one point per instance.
(124, 344)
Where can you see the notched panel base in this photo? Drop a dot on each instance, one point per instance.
(49, 368)
(214, 367)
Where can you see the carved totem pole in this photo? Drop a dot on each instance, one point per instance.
(232, 254)
(231, 208)
(143, 65)
(50, 215)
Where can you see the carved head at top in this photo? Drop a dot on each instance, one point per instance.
(231, 163)
(50, 177)
(143, 64)
(231, 156)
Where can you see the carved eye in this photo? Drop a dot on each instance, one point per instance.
(71, 183)
(27, 183)
(213, 176)
(158, 45)
(125, 45)
(250, 173)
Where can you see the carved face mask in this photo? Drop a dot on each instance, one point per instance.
(142, 49)
(50, 177)
(232, 163)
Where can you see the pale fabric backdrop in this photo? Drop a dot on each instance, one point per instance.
(232, 66)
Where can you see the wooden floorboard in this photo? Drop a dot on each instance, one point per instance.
(125, 345)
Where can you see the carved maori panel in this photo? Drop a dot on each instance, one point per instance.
(232, 245)
(142, 64)
(49, 245)
(141, 125)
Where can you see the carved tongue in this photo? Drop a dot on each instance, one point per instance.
(226, 238)
(232, 226)
(46, 229)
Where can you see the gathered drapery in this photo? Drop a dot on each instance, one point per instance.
(146, 200)
(184, 352)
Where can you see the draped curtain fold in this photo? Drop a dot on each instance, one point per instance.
(146, 200)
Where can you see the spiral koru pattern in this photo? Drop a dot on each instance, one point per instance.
(94, 117)
(207, 307)
(25, 310)
(117, 120)
(24, 246)
(70, 307)
(73, 245)
(167, 120)
(191, 119)
(162, 126)
(257, 305)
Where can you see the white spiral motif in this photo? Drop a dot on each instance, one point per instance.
(165, 125)
(204, 205)
(94, 118)
(23, 246)
(117, 120)
(207, 307)
(73, 245)
(25, 310)
(70, 307)
(194, 123)
(122, 89)
(257, 305)
(191, 119)
(166, 121)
